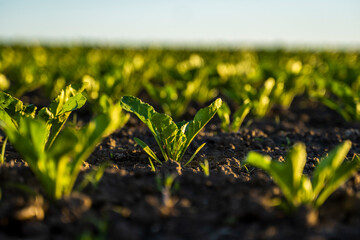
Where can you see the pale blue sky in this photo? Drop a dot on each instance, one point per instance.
(297, 22)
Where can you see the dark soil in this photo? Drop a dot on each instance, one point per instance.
(234, 202)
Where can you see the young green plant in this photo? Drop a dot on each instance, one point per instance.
(167, 185)
(55, 116)
(59, 111)
(205, 167)
(58, 166)
(172, 138)
(258, 97)
(344, 99)
(238, 117)
(12, 110)
(297, 188)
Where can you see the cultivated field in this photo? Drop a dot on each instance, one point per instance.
(121, 143)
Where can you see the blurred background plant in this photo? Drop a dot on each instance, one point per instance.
(174, 78)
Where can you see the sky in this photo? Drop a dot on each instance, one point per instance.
(255, 22)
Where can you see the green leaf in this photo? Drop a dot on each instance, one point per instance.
(346, 102)
(202, 117)
(60, 110)
(295, 161)
(287, 175)
(339, 177)
(205, 167)
(196, 152)
(335, 106)
(68, 100)
(72, 104)
(263, 103)
(276, 170)
(64, 143)
(327, 166)
(12, 109)
(182, 125)
(152, 165)
(147, 149)
(29, 140)
(117, 117)
(2, 158)
(171, 137)
(305, 194)
(224, 115)
(142, 110)
(23, 139)
(240, 115)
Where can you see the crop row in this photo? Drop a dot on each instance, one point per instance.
(253, 80)
(56, 153)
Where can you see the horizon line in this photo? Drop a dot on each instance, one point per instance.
(201, 44)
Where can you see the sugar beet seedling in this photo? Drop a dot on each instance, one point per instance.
(54, 154)
(298, 189)
(172, 138)
(58, 166)
(238, 116)
(12, 111)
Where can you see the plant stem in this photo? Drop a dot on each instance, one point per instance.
(2, 158)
